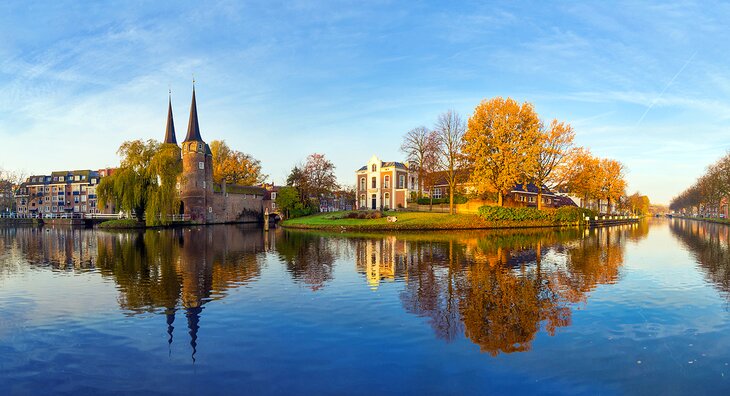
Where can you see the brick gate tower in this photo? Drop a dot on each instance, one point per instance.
(196, 187)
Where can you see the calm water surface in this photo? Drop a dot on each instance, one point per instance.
(638, 309)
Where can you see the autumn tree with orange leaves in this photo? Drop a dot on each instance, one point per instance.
(502, 144)
(555, 146)
(234, 167)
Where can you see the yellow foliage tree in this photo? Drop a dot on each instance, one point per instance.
(501, 144)
(613, 183)
(583, 175)
(234, 167)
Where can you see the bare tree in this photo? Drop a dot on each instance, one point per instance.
(449, 130)
(9, 182)
(419, 144)
(320, 175)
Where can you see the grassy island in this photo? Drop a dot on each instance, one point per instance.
(375, 221)
(122, 224)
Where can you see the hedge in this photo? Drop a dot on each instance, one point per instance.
(458, 199)
(566, 214)
(498, 213)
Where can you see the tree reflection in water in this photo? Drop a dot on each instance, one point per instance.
(709, 243)
(497, 288)
(170, 270)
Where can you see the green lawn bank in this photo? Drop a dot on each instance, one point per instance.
(489, 217)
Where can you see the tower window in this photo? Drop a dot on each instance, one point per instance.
(201, 165)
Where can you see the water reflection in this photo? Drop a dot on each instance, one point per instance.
(497, 289)
(709, 243)
(170, 270)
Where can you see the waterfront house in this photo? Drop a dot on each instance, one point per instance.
(384, 185)
(61, 193)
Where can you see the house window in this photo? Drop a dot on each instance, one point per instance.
(532, 199)
(273, 195)
(362, 183)
(387, 200)
(413, 183)
(386, 183)
(401, 181)
(374, 182)
(437, 193)
(374, 168)
(201, 165)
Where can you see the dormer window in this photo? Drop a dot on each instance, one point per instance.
(201, 165)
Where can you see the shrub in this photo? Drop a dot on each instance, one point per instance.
(458, 199)
(572, 214)
(121, 223)
(499, 213)
(566, 214)
(300, 210)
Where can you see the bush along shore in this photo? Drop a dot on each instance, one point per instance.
(488, 217)
(121, 224)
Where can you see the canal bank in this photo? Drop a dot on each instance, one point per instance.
(426, 221)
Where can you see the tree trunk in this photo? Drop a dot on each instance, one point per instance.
(451, 200)
(539, 198)
(499, 199)
(420, 180)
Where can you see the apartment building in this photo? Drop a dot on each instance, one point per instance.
(61, 192)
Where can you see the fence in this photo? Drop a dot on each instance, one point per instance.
(82, 216)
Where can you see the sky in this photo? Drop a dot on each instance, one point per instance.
(645, 83)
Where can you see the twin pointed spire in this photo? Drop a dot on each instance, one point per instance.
(170, 130)
(193, 127)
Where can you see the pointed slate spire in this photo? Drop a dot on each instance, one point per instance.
(170, 130)
(193, 127)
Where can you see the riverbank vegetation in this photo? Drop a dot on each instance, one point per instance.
(488, 217)
(122, 224)
(708, 195)
(145, 183)
(505, 143)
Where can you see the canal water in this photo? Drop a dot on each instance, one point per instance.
(632, 309)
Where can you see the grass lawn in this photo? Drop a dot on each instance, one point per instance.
(406, 221)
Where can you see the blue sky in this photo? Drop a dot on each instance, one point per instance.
(647, 84)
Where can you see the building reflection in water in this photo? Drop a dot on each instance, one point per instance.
(157, 270)
(497, 288)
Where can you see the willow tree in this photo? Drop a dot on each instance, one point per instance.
(501, 142)
(145, 183)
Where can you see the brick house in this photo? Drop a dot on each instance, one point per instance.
(61, 192)
(384, 185)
